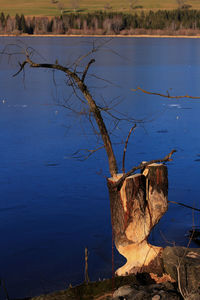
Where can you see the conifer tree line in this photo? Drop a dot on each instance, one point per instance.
(101, 22)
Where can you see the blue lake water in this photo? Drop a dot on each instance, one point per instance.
(53, 206)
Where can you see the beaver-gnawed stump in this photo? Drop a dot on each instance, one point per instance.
(135, 209)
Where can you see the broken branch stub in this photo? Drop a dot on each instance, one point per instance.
(135, 209)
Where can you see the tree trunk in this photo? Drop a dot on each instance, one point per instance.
(135, 209)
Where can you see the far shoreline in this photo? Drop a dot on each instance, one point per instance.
(103, 36)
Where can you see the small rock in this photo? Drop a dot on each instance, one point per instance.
(122, 291)
(156, 297)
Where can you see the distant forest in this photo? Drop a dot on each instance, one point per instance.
(183, 21)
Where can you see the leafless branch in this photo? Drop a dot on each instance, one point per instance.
(108, 49)
(94, 49)
(2, 283)
(142, 165)
(104, 80)
(72, 84)
(184, 205)
(119, 116)
(125, 148)
(69, 107)
(163, 95)
(86, 69)
(88, 152)
(91, 109)
(165, 239)
(91, 104)
(21, 68)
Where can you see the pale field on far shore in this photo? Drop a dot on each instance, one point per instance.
(54, 7)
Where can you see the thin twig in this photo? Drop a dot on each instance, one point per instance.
(105, 80)
(179, 279)
(185, 294)
(87, 280)
(187, 206)
(163, 95)
(89, 152)
(165, 239)
(125, 148)
(86, 69)
(21, 68)
(94, 49)
(2, 282)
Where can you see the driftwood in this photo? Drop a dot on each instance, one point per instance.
(135, 209)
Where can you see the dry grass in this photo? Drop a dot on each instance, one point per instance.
(48, 8)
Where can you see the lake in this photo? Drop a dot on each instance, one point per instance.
(52, 205)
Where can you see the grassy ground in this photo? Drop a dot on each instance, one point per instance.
(54, 7)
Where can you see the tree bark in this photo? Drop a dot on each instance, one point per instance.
(135, 209)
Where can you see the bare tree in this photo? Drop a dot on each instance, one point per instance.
(119, 185)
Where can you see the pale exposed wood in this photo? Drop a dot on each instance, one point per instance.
(135, 209)
(143, 165)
